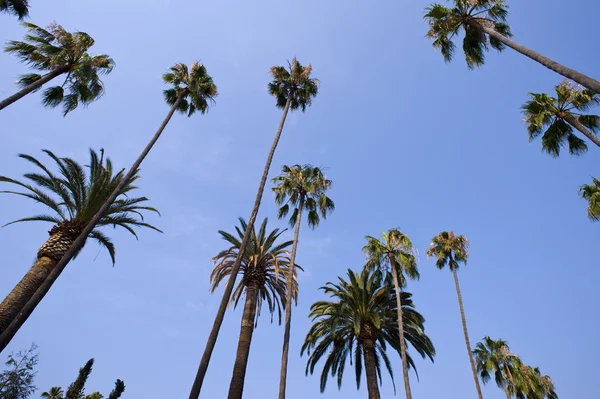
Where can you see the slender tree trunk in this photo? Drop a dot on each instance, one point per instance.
(214, 333)
(371, 368)
(33, 87)
(236, 387)
(464, 324)
(9, 333)
(505, 389)
(401, 328)
(572, 74)
(288, 304)
(573, 121)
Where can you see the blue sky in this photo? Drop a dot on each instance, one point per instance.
(409, 142)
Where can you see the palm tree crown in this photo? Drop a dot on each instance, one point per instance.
(554, 117)
(294, 84)
(529, 383)
(396, 245)
(303, 181)
(494, 357)
(445, 23)
(591, 193)
(54, 49)
(265, 263)
(448, 249)
(75, 198)
(20, 8)
(194, 85)
(363, 311)
(53, 393)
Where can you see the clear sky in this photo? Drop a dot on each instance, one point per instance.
(409, 142)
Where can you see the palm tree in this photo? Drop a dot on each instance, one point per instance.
(304, 188)
(396, 252)
(494, 357)
(53, 393)
(530, 384)
(20, 8)
(195, 85)
(484, 25)
(293, 89)
(361, 320)
(264, 268)
(451, 250)
(591, 193)
(555, 118)
(56, 52)
(73, 196)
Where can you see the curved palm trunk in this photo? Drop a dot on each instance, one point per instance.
(401, 328)
(505, 389)
(25, 312)
(236, 387)
(33, 87)
(288, 304)
(214, 333)
(464, 324)
(567, 72)
(584, 130)
(371, 368)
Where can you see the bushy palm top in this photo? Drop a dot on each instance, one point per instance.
(294, 83)
(362, 307)
(303, 181)
(449, 249)
(265, 263)
(75, 196)
(529, 383)
(591, 193)
(54, 48)
(194, 84)
(549, 116)
(399, 245)
(53, 393)
(494, 357)
(445, 23)
(20, 8)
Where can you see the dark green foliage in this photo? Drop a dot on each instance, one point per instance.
(362, 307)
(74, 196)
(20, 8)
(55, 49)
(591, 193)
(293, 83)
(449, 249)
(304, 181)
(400, 246)
(467, 15)
(118, 391)
(494, 357)
(196, 88)
(76, 389)
(264, 261)
(16, 381)
(551, 117)
(53, 393)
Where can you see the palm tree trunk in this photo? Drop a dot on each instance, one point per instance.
(371, 368)
(33, 87)
(464, 324)
(288, 304)
(9, 333)
(505, 389)
(579, 126)
(236, 387)
(214, 333)
(572, 74)
(401, 328)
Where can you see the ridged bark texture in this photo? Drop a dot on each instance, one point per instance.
(214, 333)
(288, 304)
(10, 332)
(464, 324)
(401, 328)
(584, 130)
(236, 387)
(371, 368)
(32, 87)
(567, 72)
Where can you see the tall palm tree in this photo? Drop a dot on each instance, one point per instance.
(591, 193)
(264, 268)
(396, 252)
(56, 52)
(53, 393)
(20, 8)
(293, 89)
(361, 319)
(494, 357)
(191, 91)
(530, 384)
(449, 249)
(555, 118)
(303, 187)
(484, 25)
(73, 196)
